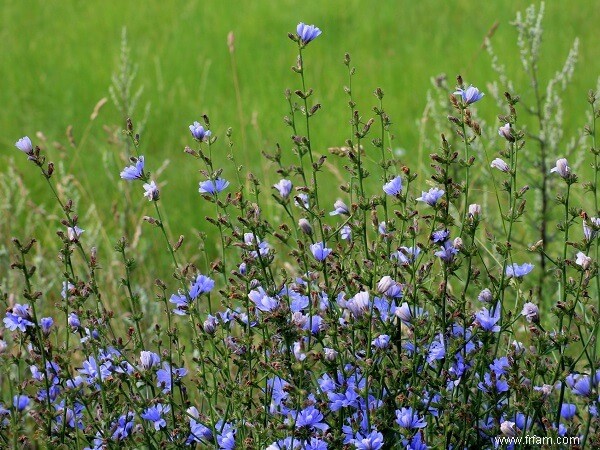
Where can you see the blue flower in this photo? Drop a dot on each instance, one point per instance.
(284, 187)
(492, 384)
(93, 371)
(149, 359)
(199, 133)
(201, 285)
(488, 320)
(18, 318)
(164, 375)
(123, 426)
(225, 435)
(311, 417)
(73, 321)
(319, 251)
(409, 419)
(499, 366)
(394, 187)
(431, 197)
(372, 441)
(346, 233)
(198, 431)
(151, 191)
(470, 95)
(340, 208)
(568, 411)
(416, 443)
(135, 171)
(303, 200)
(579, 384)
(252, 241)
(46, 323)
(382, 341)
(447, 252)
(514, 270)
(440, 236)
(307, 33)
(24, 144)
(154, 415)
(262, 301)
(213, 187)
(20, 402)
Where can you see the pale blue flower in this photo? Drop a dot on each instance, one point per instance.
(431, 197)
(24, 144)
(470, 95)
(518, 271)
(393, 187)
(151, 191)
(284, 187)
(307, 33)
(319, 251)
(135, 171)
(213, 187)
(198, 131)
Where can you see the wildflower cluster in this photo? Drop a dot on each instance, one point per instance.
(390, 318)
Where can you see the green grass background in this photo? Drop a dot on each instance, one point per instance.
(58, 57)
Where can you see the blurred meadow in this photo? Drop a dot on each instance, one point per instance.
(59, 57)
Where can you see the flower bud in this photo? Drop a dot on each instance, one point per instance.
(304, 225)
(531, 312)
(583, 260)
(508, 429)
(475, 210)
(458, 243)
(506, 132)
(485, 296)
(210, 324)
(330, 354)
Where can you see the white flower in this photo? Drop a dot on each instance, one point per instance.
(500, 165)
(509, 428)
(583, 260)
(151, 191)
(562, 168)
(531, 312)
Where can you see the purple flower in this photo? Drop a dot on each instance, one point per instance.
(485, 296)
(393, 187)
(307, 33)
(516, 271)
(199, 133)
(213, 187)
(470, 95)
(252, 241)
(431, 197)
(319, 251)
(408, 419)
(24, 144)
(46, 323)
(284, 187)
(311, 418)
(20, 402)
(500, 165)
(93, 371)
(562, 168)
(488, 320)
(154, 415)
(340, 208)
(506, 132)
(201, 285)
(135, 171)
(151, 191)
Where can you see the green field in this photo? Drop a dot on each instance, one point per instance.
(58, 58)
